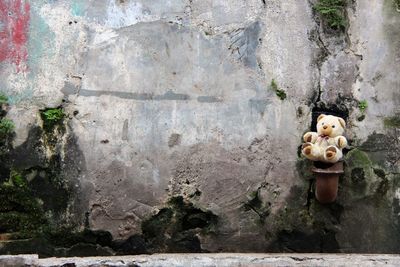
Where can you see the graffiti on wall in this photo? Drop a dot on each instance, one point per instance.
(14, 27)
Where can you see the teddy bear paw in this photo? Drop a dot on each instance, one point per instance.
(341, 142)
(330, 153)
(306, 148)
(308, 137)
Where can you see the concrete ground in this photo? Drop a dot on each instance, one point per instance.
(210, 260)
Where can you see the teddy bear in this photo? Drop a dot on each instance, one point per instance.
(327, 143)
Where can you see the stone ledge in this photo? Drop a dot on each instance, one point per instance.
(208, 260)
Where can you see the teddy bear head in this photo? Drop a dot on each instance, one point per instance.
(329, 125)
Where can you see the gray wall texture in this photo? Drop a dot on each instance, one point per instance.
(169, 99)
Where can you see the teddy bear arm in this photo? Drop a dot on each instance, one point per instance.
(310, 137)
(340, 142)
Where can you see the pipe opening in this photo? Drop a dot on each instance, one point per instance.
(322, 165)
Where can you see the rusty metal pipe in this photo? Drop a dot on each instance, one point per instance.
(327, 182)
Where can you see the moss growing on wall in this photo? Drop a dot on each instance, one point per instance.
(392, 122)
(365, 193)
(175, 228)
(16, 179)
(52, 117)
(6, 136)
(362, 105)
(53, 128)
(27, 208)
(6, 127)
(3, 99)
(279, 92)
(34, 209)
(357, 158)
(333, 13)
(20, 212)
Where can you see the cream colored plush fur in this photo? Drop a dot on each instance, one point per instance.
(327, 143)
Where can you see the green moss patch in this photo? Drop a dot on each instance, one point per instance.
(279, 92)
(6, 127)
(333, 13)
(20, 211)
(392, 122)
(33, 212)
(3, 99)
(362, 105)
(358, 158)
(52, 117)
(27, 207)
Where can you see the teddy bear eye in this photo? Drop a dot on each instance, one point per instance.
(333, 126)
(322, 124)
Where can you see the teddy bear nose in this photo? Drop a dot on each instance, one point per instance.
(326, 126)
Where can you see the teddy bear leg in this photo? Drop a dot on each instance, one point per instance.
(309, 151)
(332, 154)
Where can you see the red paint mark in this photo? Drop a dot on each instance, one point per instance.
(14, 26)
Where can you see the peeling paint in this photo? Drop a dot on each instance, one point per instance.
(126, 14)
(14, 16)
(40, 36)
(77, 8)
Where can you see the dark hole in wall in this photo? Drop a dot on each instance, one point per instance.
(335, 110)
(301, 242)
(4, 172)
(195, 220)
(322, 165)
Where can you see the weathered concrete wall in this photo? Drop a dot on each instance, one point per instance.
(174, 98)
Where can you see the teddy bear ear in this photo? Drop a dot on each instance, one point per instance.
(342, 122)
(320, 117)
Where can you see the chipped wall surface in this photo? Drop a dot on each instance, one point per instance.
(174, 98)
